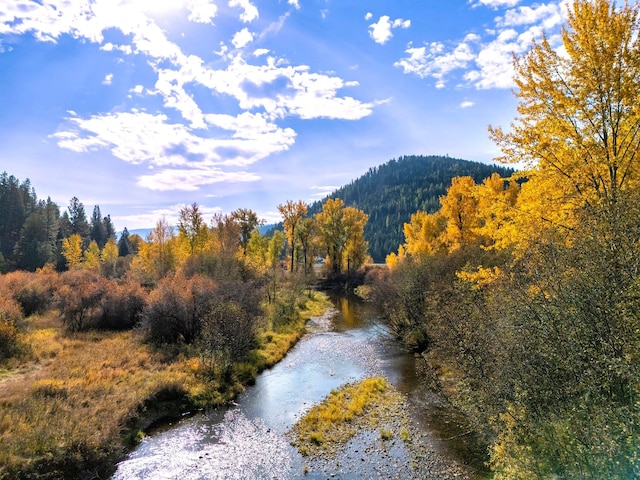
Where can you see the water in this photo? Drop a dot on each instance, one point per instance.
(247, 440)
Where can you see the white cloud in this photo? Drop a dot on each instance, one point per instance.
(467, 104)
(202, 11)
(108, 79)
(486, 61)
(203, 146)
(192, 179)
(249, 13)
(294, 3)
(380, 32)
(368, 16)
(323, 191)
(494, 3)
(242, 38)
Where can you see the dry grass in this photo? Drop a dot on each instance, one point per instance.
(76, 400)
(336, 419)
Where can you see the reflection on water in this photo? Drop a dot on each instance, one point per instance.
(247, 440)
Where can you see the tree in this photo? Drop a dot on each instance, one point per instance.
(109, 257)
(579, 127)
(17, 201)
(274, 252)
(341, 231)
(97, 231)
(37, 244)
(124, 244)
(78, 218)
(423, 234)
(248, 222)
(91, 257)
(292, 214)
(460, 209)
(332, 232)
(226, 234)
(192, 227)
(356, 247)
(72, 251)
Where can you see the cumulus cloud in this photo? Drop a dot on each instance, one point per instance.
(108, 79)
(242, 38)
(467, 104)
(494, 3)
(486, 60)
(294, 3)
(187, 143)
(249, 10)
(380, 31)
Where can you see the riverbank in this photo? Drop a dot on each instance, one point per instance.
(80, 401)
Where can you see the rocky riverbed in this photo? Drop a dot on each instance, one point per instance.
(383, 442)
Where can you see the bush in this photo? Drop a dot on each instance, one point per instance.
(78, 298)
(122, 305)
(32, 291)
(10, 316)
(177, 307)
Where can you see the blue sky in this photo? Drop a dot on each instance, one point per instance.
(144, 106)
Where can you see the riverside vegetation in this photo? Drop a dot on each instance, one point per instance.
(74, 401)
(523, 294)
(92, 356)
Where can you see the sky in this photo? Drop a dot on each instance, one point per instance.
(145, 106)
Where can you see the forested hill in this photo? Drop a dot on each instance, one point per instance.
(391, 192)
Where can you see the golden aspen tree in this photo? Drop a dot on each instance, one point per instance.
(91, 257)
(423, 234)
(332, 233)
(460, 209)
(109, 256)
(292, 215)
(578, 132)
(356, 247)
(192, 227)
(496, 198)
(72, 250)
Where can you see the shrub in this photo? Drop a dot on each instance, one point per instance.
(122, 305)
(176, 308)
(32, 291)
(10, 316)
(78, 298)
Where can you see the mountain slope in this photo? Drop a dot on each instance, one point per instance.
(391, 192)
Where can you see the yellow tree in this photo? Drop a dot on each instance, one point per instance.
(578, 130)
(292, 215)
(158, 255)
(356, 248)
(423, 234)
(91, 257)
(460, 209)
(109, 256)
(72, 250)
(332, 231)
(496, 198)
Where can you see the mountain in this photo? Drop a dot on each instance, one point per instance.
(391, 192)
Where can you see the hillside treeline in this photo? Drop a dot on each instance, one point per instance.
(32, 230)
(391, 192)
(523, 293)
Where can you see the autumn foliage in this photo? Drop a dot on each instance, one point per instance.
(522, 293)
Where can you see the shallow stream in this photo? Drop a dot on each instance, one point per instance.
(247, 440)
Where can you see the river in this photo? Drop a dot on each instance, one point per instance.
(247, 440)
